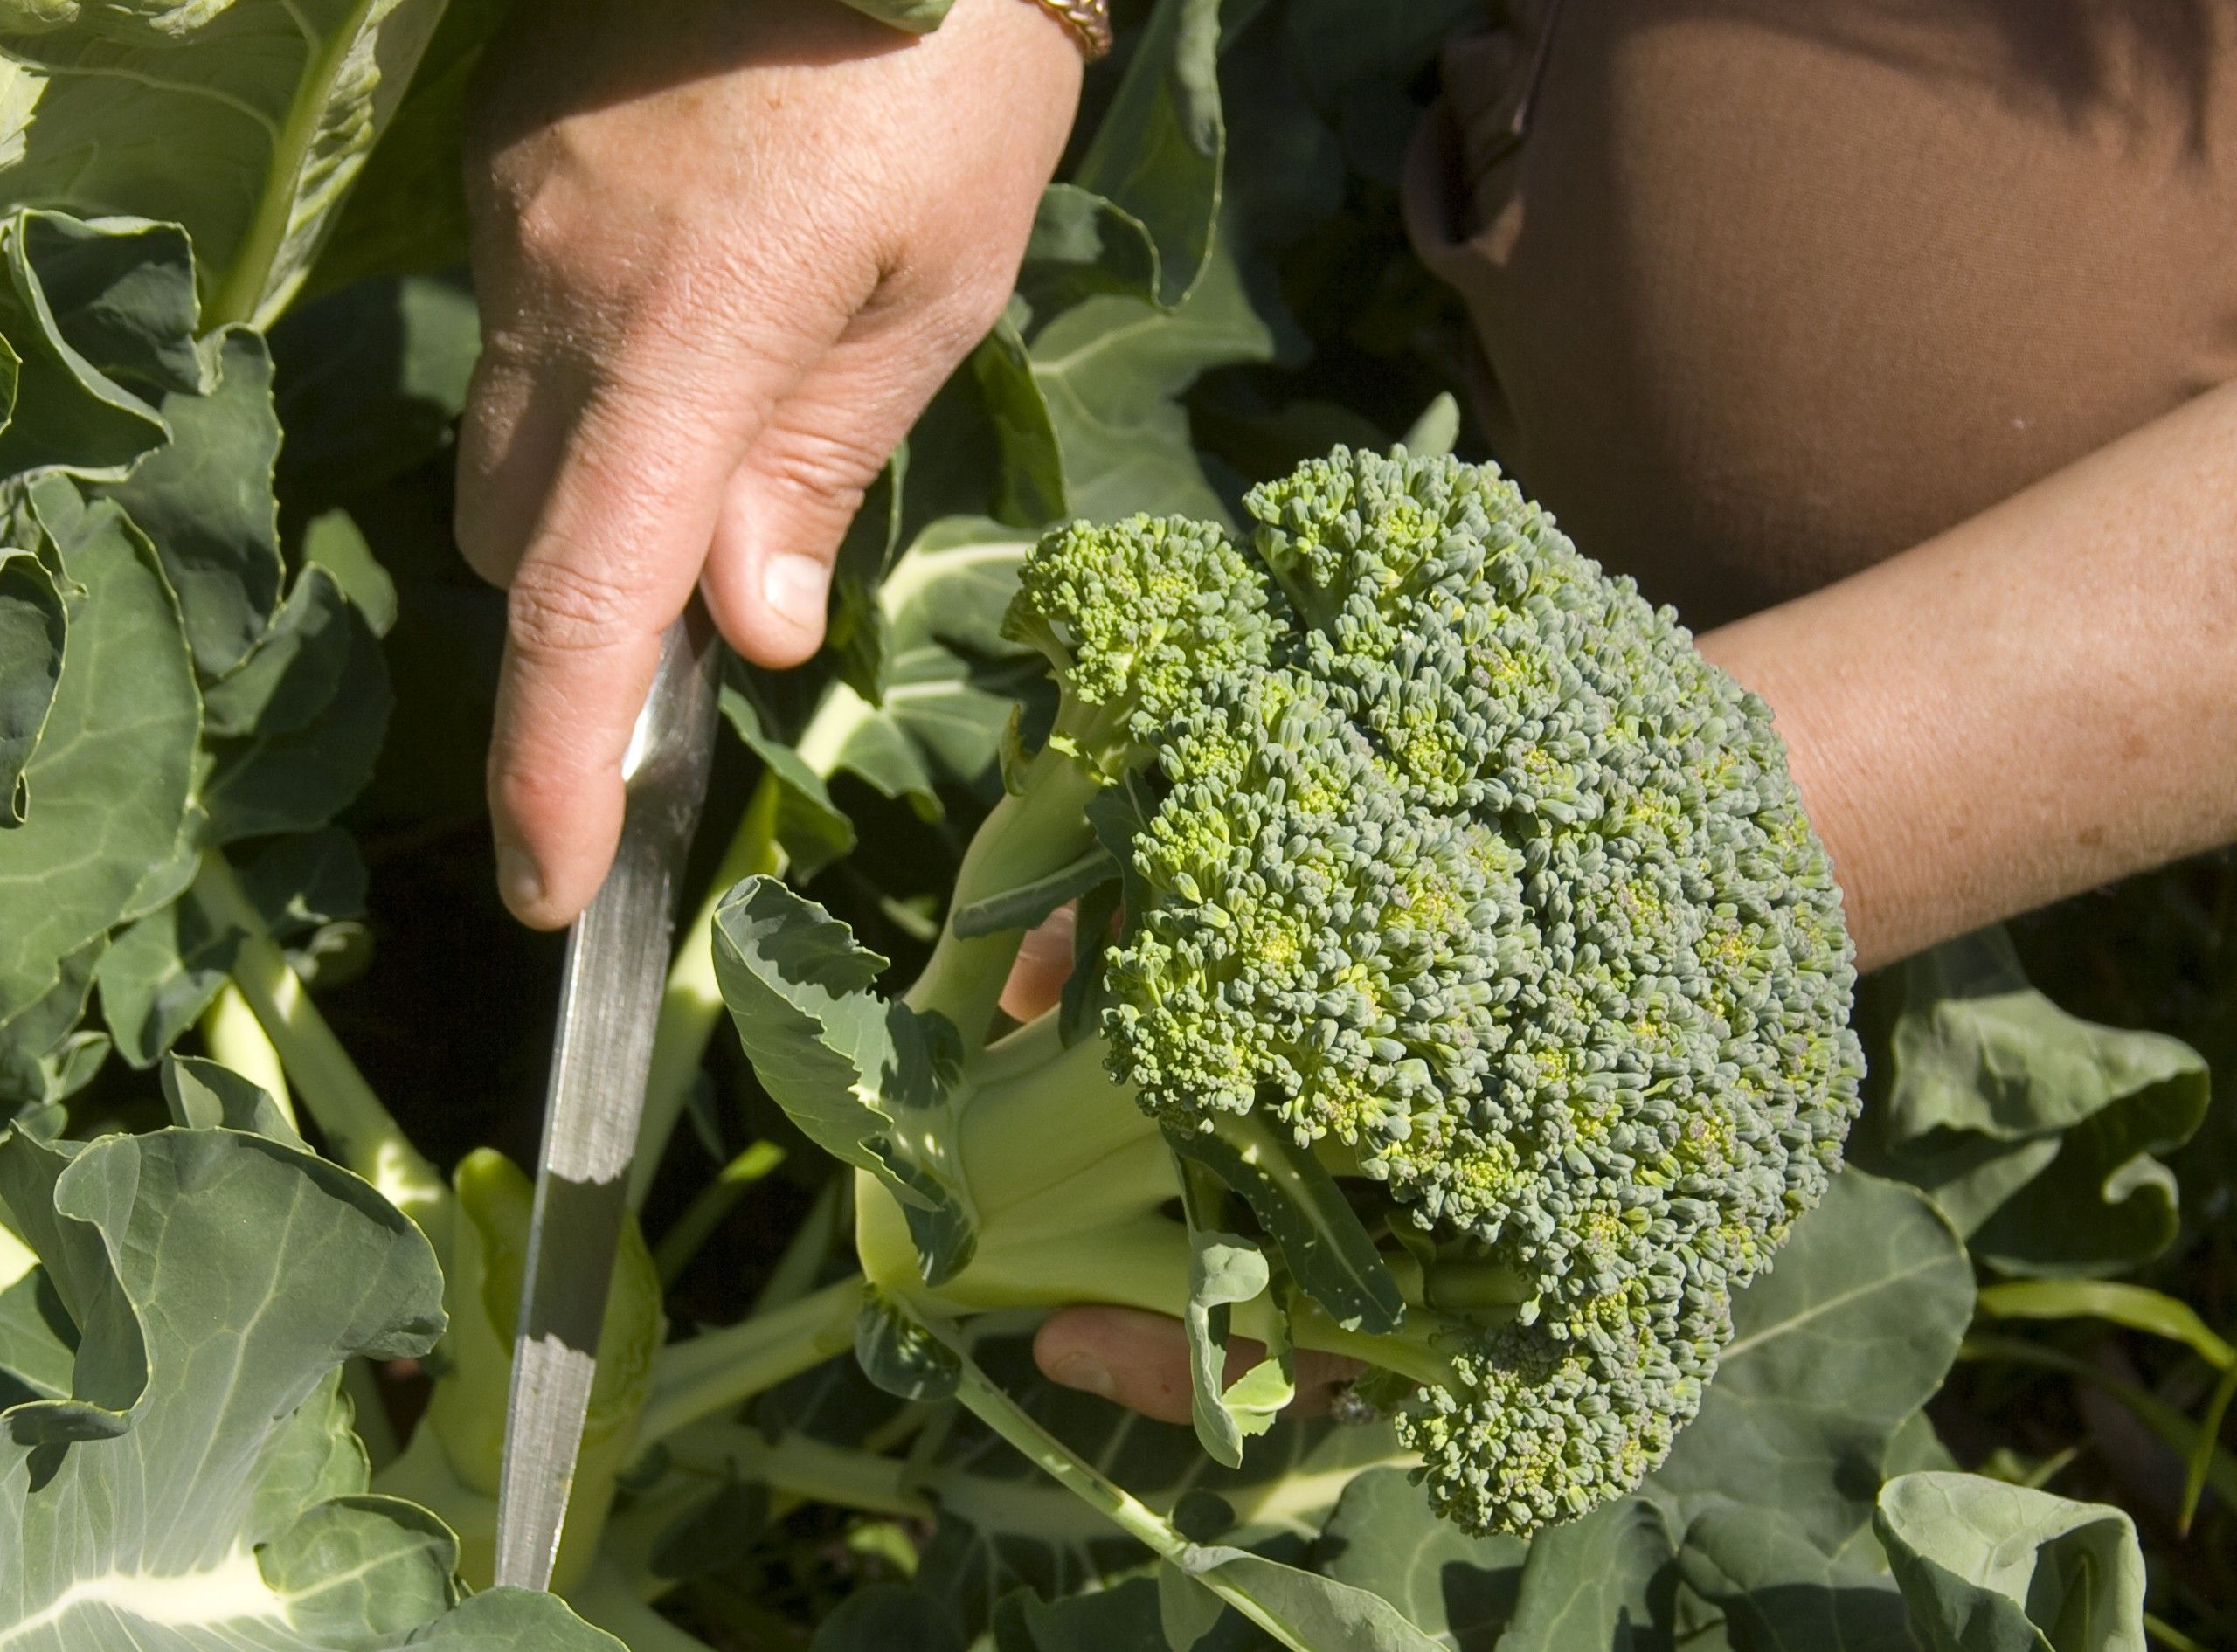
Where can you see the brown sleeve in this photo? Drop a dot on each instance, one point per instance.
(1768, 290)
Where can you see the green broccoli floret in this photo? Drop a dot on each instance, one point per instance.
(1475, 947)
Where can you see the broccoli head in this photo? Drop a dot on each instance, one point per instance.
(1475, 950)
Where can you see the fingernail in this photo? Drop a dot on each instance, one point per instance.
(1086, 1372)
(517, 879)
(796, 587)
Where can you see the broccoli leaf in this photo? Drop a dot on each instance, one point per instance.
(1595, 1584)
(2037, 1131)
(202, 1095)
(1384, 1536)
(1028, 903)
(1992, 1567)
(203, 499)
(917, 17)
(950, 677)
(317, 719)
(1136, 217)
(33, 625)
(161, 971)
(101, 319)
(115, 769)
(200, 1484)
(1111, 369)
(42, 1058)
(245, 120)
(1225, 1268)
(1780, 1593)
(1324, 1243)
(859, 1074)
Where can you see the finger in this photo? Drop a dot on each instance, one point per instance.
(510, 440)
(610, 563)
(1140, 1360)
(1044, 964)
(796, 491)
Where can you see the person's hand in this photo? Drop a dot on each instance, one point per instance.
(724, 253)
(1139, 1359)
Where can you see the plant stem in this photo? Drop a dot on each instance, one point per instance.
(710, 1206)
(1006, 1418)
(720, 1369)
(802, 1467)
(2167, 1635)
(361, 1133)
(691, 1005)
(2217, 1408)
(231, 1033)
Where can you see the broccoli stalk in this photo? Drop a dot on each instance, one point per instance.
(1072, 1184)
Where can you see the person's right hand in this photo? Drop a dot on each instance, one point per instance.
(725, 251)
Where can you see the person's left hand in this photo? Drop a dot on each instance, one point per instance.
(1139, 1359)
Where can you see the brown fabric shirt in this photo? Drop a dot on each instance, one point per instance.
(1768, 290)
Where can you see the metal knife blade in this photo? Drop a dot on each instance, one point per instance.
(609, 998)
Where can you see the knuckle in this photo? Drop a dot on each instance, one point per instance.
(562, 608)
(824, 468)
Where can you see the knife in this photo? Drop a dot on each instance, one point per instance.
(609, 998)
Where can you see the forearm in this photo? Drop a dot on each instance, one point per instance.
(2041, 699)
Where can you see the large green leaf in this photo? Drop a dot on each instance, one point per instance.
(1111, 368)
(1780, 1592)
(303, 717)
(1992, 1567)
(1137, 213)
(917, 17)
(205, 500)
(949, 686)
(1594, 1584)
(161, 971)
(2037, 1131)
(407, 212)
(32, 629)
(101, 318)
(245, 122)
(1831, 1352)
(42, 1057)
(114, 773)
(200, 1487)
(1383, 1536)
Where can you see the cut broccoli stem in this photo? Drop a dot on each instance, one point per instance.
(362, 1133)
(1039, 828)
(690, 1004)
(720, 1369)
